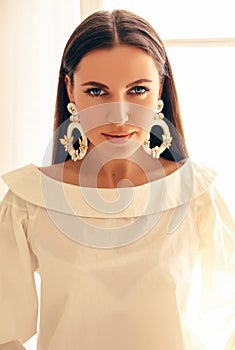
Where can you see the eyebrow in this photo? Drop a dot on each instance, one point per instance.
(139, 81)
(103, 86)
(95, 83)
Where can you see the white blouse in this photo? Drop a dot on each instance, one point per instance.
(149, 267)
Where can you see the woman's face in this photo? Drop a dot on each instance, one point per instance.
(113, 89)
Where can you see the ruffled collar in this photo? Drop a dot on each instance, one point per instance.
(174, 190)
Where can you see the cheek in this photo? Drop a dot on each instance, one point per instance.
(94, 135)
(143, 135)
(152, 99)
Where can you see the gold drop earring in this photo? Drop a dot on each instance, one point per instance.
(67, 141)
(156, 151)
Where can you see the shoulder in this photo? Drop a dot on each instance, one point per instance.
(11, 200)
(39, 187)
(54, 171)
(192, 182)
(24, 183)
(67, 172)
(169, 166)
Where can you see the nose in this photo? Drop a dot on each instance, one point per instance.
(117, 113)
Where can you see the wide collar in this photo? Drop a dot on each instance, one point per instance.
(174, 190)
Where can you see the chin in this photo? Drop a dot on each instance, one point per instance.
(114, 150)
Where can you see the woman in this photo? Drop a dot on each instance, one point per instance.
(131, 240)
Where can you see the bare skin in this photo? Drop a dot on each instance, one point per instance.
(122, 74)
(68, 172)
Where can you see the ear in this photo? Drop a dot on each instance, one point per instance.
(69, 87)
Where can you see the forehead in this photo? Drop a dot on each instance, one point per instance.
(120, 61)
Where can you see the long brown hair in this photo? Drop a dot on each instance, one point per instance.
(104, 29)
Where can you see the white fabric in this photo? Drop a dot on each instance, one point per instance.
(15, 345)
(165, 283)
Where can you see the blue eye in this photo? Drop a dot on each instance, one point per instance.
(95, 92)
(138, 90)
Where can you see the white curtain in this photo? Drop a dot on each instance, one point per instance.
(33, 34)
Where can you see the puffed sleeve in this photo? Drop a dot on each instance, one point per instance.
(18, 296)
(213, 291)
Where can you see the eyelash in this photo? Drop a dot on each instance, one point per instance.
(90, 91)
(138, 87)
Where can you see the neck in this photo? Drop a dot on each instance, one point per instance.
(101, 171)
(121, 173)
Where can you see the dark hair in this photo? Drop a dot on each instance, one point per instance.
(104, 29)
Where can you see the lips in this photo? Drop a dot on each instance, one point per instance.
(126, 134)
(118, 136)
